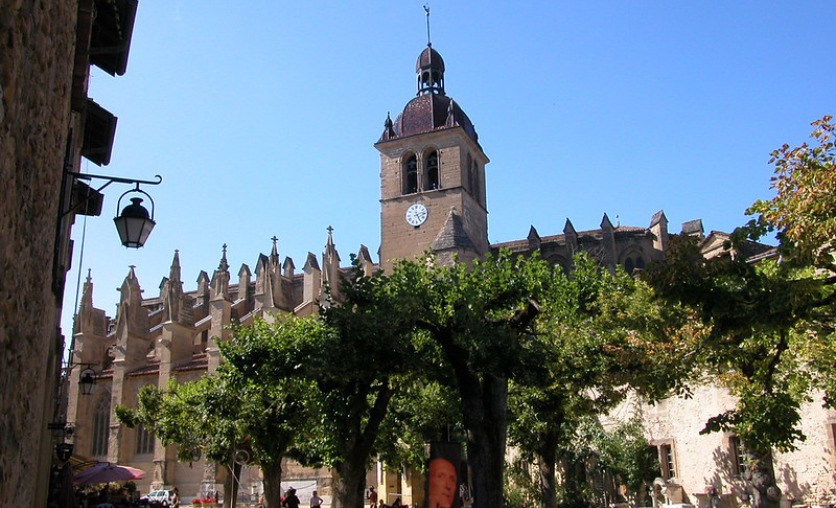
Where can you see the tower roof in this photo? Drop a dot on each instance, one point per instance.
(429, 59)
(432, 109)
(427, 113)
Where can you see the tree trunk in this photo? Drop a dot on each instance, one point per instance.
(484, 409)
(272, 484)
(574, 480)
(231, 485)
(349, 485)
(760, 480)
(546, 460)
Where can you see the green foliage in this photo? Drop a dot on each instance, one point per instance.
(520, 490)
(601, 335)
(625, 453)
(771, 339)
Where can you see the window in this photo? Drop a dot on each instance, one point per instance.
(666, 459)
(475, 188)
(737, 457)
(101, 427)
(469, 182)
(410, 175)
(632, 263)
(144, 441)
(431, 182)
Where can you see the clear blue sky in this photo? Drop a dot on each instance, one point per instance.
(261, 117)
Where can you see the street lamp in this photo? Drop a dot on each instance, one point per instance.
(86, 381)
(134, 223)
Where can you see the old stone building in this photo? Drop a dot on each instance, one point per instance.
(47, 124)
(433, 196)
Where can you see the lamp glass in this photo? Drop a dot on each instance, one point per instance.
(134, 225)
(86, 382)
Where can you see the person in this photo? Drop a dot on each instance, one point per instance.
(175, 498)
(290, 499)
(443, 480)
(464, 495)
(316, 501)
(372, 497)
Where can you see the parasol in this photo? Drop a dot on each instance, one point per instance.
(105, 472)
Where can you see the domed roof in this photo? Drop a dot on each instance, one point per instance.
(427, 113)
(429, 59)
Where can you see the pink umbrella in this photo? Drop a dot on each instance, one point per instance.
(105, 472)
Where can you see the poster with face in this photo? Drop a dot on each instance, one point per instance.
(442, 476)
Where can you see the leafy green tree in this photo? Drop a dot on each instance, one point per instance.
(601, 336)
(223, 415)
(478, 317)
(624, 453)
(771, 339)
(354, 359)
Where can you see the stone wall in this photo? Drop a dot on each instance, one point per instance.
(36, 57)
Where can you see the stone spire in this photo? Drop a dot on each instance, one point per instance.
(86, 318)
(331, 265)
(174, 272)
(365, 260)
(131, 321)
(172, 291)
(274, 254)
(220, 279)
(533, 239)
(312, 280)
(571, 237)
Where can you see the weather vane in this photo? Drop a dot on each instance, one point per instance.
(427, 10)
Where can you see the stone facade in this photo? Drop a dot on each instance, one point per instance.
(36, 64)
(47, 123)
(430, 156)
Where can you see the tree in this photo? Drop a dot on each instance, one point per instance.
(232, 414)
(477, 317)
(353, 359)
(773, 324)
(601, 336)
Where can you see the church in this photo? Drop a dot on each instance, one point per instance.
(433, 196)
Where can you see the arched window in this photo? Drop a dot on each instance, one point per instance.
(468, 183)
(410, 167)
(144, 440)
(633, 262)
(474, 183)
(101, 426)
(431, 182)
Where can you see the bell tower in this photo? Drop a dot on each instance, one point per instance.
(432, 176)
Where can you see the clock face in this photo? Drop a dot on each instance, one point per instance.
(416, 214)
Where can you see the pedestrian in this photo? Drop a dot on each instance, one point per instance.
(316, 501)
(372, 497)
(290, 499)
(175, 498)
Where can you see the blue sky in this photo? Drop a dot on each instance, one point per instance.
(261, 117)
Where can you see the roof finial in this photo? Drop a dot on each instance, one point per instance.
(427, 10)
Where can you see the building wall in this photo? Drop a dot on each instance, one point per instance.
(36, 59)
(805, 476)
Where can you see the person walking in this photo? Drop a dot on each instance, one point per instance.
(290, 499)
(372, 497)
